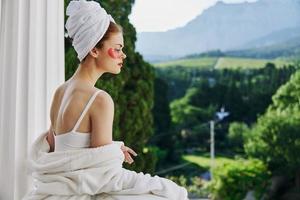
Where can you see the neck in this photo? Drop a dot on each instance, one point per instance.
(88, 73)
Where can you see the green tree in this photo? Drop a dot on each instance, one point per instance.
(161, 110)
(236, 133)
(191, 121)
(276, 137)
(164, 137)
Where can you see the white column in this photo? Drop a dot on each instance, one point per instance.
(31, 67)
(0, 12)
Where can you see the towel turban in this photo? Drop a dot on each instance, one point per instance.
(86, 25)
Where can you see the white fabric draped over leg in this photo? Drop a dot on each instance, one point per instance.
(92, 171)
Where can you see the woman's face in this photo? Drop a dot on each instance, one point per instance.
(111, 55)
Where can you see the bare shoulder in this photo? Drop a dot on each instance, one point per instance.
(102, 106)
(55, 101)
(103, 99)
(57, 95)
(58, 91)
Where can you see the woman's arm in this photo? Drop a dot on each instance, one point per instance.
(50, 139)
(102, 116)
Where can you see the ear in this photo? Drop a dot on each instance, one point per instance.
(94, 52)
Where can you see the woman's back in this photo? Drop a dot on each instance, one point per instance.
(81, 116)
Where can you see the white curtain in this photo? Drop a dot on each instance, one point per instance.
(31, 67)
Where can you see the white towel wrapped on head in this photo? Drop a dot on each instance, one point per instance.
(86, 25)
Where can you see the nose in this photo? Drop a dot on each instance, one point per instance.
(124, 55)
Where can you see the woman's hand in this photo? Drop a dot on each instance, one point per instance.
(127, 151)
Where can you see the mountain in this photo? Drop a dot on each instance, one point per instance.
(285, 48)
(274, 38)
(223, 26)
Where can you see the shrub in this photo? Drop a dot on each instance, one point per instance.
(196, 187)
(232, 181)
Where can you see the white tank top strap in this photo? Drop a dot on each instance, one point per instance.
(85, 109)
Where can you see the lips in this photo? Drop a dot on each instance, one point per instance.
(120, 64)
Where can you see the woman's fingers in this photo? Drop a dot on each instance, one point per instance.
(128, 158)
(131, 151)
(129, 161)
(126, 150)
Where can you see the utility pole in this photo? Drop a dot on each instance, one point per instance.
(212, 147)
(220, 116)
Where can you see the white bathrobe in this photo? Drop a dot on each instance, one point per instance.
(93, 173)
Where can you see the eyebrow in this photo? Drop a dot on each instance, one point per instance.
(120, 45)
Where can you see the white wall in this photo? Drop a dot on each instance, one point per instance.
(31, 67)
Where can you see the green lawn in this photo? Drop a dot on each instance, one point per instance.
(204, 161)
(233, 63)
(223, 62)
(205, 63)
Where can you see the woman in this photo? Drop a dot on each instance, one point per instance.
(74, 122)
(77, 158)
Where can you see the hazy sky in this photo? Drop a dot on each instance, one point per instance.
(162, 15)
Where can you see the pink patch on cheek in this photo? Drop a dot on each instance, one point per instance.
(112, 53)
